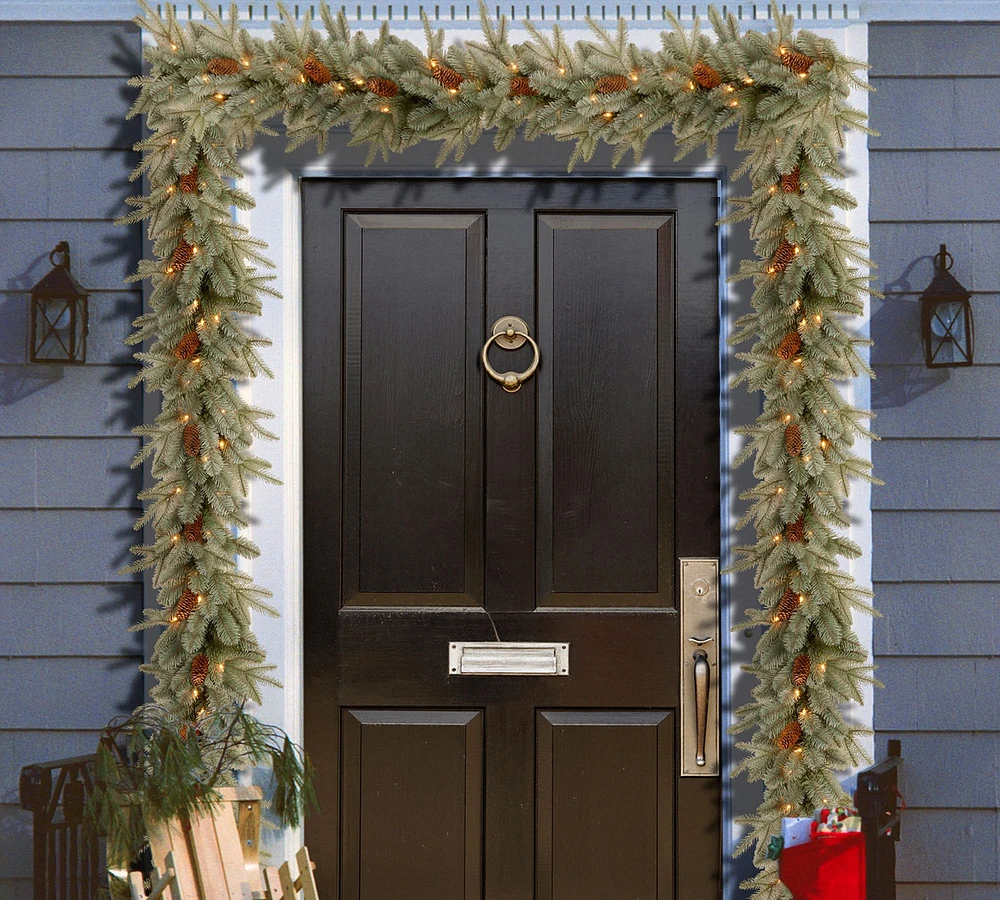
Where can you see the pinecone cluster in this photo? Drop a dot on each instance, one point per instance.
(446, 76)
(192, 439)
(199, 670)
(793, 440)
(188, 345)
(787, 605)
(782, 257)
(796, 531)
(790, 181)
(799, 63)
(316, 71)
(611, 84)
(790, 735)
(801, 667)
(382, 87)
(223, 65)
(790, 345)
(182, 255)
(706, 76)
(185, 605)
(520, 86)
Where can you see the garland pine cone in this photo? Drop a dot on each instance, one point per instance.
(799, 63)
(447, 76)
(185, 605)
(199, 670)
(223, 65)
(801, 668)
(181, 256)
(790, 735)
(796, 531)
(189, 181)
(787, 606)
(193, 530)
(192, 439)
(383, 87)
(611, 84)
(316, 71)
(790, 182)
(520, 86)
(782, 256)
(188, 345)
(790, 345)
(706, 76)
(793, 440)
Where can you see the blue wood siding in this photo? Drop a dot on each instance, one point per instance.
(935, 178)
(67, 495)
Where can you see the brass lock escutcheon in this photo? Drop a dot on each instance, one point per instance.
(509, 333)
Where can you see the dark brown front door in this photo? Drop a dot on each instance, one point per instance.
(439, 508)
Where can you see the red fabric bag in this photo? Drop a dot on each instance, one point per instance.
(828, 867)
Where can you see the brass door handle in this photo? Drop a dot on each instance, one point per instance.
(510, 333)
(702, 685)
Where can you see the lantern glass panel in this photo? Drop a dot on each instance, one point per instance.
(949, 334)
(59, 330)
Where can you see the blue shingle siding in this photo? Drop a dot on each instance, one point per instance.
(67, 495)
(935, 178)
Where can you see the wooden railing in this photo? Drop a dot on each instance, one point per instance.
(67, 865)
(878, 800)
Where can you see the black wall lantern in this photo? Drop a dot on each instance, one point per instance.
(59, 314)
(946, 317)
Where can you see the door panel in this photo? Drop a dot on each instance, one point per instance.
(413, 804)
(605, 804)
(413, 519)
(438, 508)
(605, 415)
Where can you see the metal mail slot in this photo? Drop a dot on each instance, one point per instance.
(507, 658)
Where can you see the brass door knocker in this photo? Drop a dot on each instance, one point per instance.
(510, 333)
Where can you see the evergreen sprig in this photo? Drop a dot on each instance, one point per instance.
(154, 767)
(787, 94)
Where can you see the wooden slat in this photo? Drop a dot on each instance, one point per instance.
(246, 800)
(286, 881)
(306, 875)
(248, 826)
(176, 892)
(210, 861)
(272, 884)
(169, 841)
(233, 863)
(135, 887)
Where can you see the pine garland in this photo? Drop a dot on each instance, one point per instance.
(787, 94)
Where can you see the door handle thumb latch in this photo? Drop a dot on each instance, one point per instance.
(699, 605)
